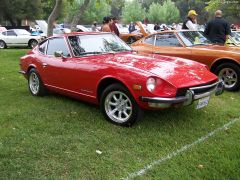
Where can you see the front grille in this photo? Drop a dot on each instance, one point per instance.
(197, 89)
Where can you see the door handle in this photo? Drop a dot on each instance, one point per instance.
(157, 52)
(44, 65)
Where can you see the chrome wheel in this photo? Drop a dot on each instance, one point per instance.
(229, 77)
(34, 83)
(118, 106)
(33, 43)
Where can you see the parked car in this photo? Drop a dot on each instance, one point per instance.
(234, 38)
(100, 68)
(18, 38)
(130, 38)
(224, 61)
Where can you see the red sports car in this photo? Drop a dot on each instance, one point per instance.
(100, 68)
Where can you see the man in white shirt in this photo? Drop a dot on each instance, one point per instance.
(191, 21)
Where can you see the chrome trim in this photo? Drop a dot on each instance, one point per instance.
(217, 89)
(206, 86)
(22, 72)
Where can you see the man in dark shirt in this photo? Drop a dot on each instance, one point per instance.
(218, 30)
(114, 27)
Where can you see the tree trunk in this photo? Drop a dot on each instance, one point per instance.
(78, 15)
(53, 16)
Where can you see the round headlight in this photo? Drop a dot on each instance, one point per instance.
(151, 84)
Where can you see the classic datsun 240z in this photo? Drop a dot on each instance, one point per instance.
(100, 68)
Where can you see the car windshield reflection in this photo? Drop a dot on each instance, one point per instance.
(194, 38)
(97, 44)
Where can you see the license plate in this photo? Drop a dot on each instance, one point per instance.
(202, 102)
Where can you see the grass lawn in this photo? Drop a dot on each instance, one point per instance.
(57, 137)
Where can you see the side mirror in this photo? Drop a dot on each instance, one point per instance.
(58, 54)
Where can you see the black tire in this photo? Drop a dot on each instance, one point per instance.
(131, 40)
(2, 44)
(230, 74)
(32, 43)
(35, 84)
(122, 105)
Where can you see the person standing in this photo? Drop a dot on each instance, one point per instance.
(156, 27)
(106, 24)
(114, 27)
(94, 26)
(131, 27)
(218, 30)
(191, 21)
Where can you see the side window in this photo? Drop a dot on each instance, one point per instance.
(149, 40)
(42, 47)
(168, 39)
(4, 33)
(10, 33)
(57, 44)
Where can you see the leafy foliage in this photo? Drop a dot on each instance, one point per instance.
(166, 13)
(230, 9)
(133, 11)
(16, 10)
(95, 12)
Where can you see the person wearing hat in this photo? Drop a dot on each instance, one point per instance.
(191, 21)
(218, 30)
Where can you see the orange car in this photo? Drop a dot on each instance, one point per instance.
(224, 61)
(134, 36)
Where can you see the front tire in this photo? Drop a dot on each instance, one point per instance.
(119, 107)
(131, 40)
(2, 44)
(229, 73)
(35, 84)
(32, 43)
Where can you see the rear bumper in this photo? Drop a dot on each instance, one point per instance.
(192, 95)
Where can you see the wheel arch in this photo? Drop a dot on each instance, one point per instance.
(31, 67)
(105, 82)
(221, 61)
(30, 40)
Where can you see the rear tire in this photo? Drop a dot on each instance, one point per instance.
(119, 107)
(2, 44)
(229, 73)
(35, 84)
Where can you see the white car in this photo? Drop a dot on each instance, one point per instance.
(18, 38)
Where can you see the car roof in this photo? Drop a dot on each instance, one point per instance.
(79, 33)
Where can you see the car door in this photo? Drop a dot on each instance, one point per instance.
(146, 45)
(58, 72)
(10, 37)
(168, 44)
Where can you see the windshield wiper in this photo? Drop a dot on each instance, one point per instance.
(200, 44)
(94, 52)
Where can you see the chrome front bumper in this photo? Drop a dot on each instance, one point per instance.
(191, 95)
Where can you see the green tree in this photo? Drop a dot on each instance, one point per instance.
(167, 13)
(133, 11)
(116, 7)
(230, 9)
(154, 14)
(95, 12)
(15, 11)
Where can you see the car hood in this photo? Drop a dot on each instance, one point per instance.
(177, 71)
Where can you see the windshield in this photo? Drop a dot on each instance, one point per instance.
(97, 44)
(21, 32)
(193, 38)
(236, 37)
